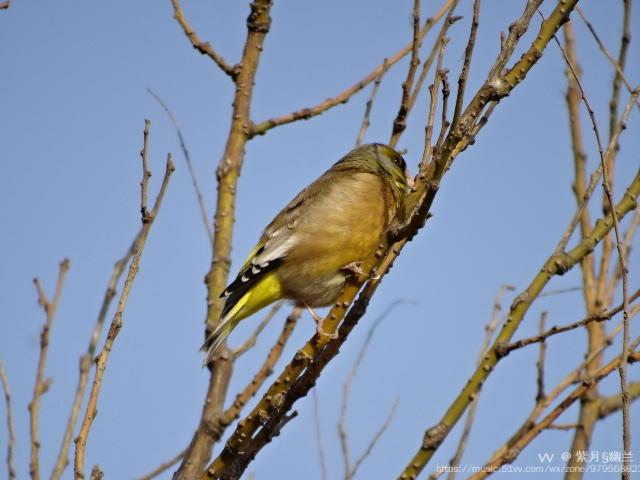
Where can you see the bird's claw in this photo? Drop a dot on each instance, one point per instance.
(355, 268)
(318, 319)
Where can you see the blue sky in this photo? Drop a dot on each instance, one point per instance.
(72, 104)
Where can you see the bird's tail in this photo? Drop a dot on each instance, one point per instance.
(217, 338)
(264, 292)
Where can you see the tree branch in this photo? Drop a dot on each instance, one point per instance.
(555, 265)
(306, 113)
(204, 48)
(11, 429)
(86, 361)
(116, 324)
(42, 385)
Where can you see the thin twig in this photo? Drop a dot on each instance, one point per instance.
(512, 453)
(613, 403)
(376, 437)
(116, 324)
(163, 467)
(433, 92)
(261, 128)
(11, 429)
(42, 385)
(264, 372)
(367, 110)
(346, 387)
(617, 64)
(563, 426)
(541, 359)
(400, 122)
(626, 243)
(555, 330)
(146, 173)
(86, 361)
(560, 291)
(468, 53)
(572, 377)
(204, 48)
(444, 123)
(468, 423)
(626, 423)
(251, 341)
(187, 159)
(426, 65)
(319, 442)
(580, 190)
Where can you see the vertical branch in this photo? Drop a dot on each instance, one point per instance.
(579, 161)
(625, 40)
(490, 328)
(147, 218)
(433, 93)
(42, 385)
(542, 350)
(11, 441)
(367, 110)
(210, 428)
(400, 122)
(163, 467)
(464, 73)
(86, 361)
(319, 442)
(187, 159)
(349, 468)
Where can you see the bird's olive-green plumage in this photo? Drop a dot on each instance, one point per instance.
(304, 253)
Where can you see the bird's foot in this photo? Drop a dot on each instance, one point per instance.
(318, 319)
(355, 268)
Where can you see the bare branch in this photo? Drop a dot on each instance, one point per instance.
(376, 437)
(617, 64)
(426, 65)
(204, 48)
(319, 442)
(86, 361)
(468, 423)
(601, 317)
(187, 159)
(263, 373)
(613, 403)
(163, 467)
(116, 324)
(541, 359)
(400, 122)
(605, 166)
(11, 429)
(305, 113)
(367, 111)
(42, 385)
(511, 454)
(349, 469)
(428, 129)
(468, 53)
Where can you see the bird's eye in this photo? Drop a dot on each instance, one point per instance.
(399, 161)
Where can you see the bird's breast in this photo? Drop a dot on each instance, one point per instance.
(343, 226)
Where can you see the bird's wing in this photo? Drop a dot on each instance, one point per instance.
(276, 241)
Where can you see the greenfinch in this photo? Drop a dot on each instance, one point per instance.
(319, 239)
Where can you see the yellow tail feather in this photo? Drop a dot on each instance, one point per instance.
(266, 291)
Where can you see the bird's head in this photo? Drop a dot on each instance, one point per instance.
(384, 161)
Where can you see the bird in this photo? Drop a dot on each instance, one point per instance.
(319, 239)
